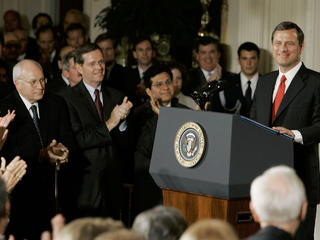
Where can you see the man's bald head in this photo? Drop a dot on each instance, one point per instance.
(29, 80)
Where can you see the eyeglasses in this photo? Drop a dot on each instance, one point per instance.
(160, 84)
(34, 82)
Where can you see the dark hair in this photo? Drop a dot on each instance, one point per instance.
(106, 36)
(75, 26)
(249, 46)
(181, 68)
(287, 26)
(36, 18)
(45, 28)
(206, 41)
(3, 197)
(18, 16)
(141, 39)
(154, 70)
(83, 50)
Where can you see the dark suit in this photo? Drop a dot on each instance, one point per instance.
(299, 110)
(270, 233)
(57, 85)
(197, 80)
(33, 199)
(132, 79)
(146, 193)
(100, 170)
(234, 93)
(115, 78)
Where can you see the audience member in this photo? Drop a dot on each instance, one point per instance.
(12, 20)
(158, 82)
(11, 49)
(68, 75)
(98, 122)
(41, 19)
(278, 203)
(74, 16)
(160, 223)
(6, 85)
(119, 234)
(208, 53)
(48, 57)
(23, 39)
(143, 53)
(179, 74)
(210, 229)
(40, 125)
(238, 96)
(115, 73)
(88, 228)
(76, 35)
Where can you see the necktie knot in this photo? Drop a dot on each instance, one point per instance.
(34, 111)
(249, 83)
(96, 93)
(283, 79)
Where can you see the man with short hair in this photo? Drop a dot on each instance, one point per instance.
(143, 53)
(115, 73)
(98, 117)
(76, 35)
(12, 20)
(40, 127)
(208, 53)
(48, 56)
(159, 88)
(289, 101)
(278, 203)
(239, 95)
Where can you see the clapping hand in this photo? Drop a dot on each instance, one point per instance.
(119, 113)
(4, 123)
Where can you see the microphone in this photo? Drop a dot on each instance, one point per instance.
(201, 96)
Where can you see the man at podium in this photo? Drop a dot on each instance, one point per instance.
(289, 101)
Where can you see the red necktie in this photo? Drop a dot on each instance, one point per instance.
(98, 104)
(279, 96)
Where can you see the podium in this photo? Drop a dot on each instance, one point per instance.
(236, 150)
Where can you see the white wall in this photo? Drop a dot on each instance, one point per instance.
(29, 8)
(92, 8)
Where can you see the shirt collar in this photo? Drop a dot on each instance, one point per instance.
(244, 80)
(92, 89)
(65, 80)
(207, 74)
(292, 72)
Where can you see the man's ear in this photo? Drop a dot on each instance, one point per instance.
(60, 64)
(253, 212)
(303, 211)
(79, 68)
(148, 91)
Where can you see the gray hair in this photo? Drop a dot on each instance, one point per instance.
(17, 69)
(160, 223)
(277, 195)
(66, 58)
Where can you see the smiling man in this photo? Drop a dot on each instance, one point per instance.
(289, 101)
(159, 88)
(98, 122)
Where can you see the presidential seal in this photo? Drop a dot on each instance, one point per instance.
(189, 144)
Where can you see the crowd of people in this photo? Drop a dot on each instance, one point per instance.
(77, 130)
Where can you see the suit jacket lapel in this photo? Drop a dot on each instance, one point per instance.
(296, 85)
(267, 92)
(44, 119)
(202, 78)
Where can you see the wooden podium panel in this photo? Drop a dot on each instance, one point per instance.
(195, 207)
